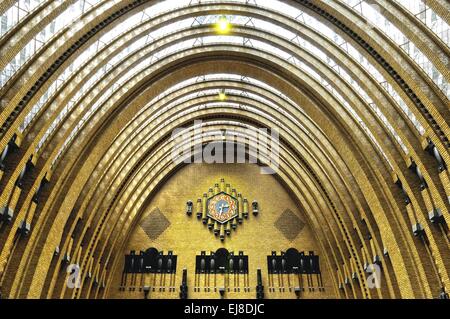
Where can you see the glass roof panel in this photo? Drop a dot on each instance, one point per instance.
(17, 12)
(66, 18)
(164, 6)
(372, 13)
(255, 43)
(132, 73)
(82, 6)
(168, 5)
(430, 18)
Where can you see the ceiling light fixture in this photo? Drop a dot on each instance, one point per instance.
(223, 26)
(222, 95)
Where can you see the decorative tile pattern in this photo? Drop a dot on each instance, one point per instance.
(154, 224)
(289, 224)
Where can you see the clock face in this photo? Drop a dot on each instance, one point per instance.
(222, 207)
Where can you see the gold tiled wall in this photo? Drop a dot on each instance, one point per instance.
(256, 236)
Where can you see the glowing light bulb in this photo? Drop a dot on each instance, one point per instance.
(222, 96)
(223, 26)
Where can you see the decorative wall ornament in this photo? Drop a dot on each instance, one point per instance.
(288, 269)
(154, 224)
(221, 271)
(222, 209)
(289, 224)
(149, 270)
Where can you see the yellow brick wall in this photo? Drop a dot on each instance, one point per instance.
(256, 236)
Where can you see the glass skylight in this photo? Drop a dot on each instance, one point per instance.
(134, 74)
(17, 12)
(237, 40)
(370, 12)
(80, 7)
(65, 19)
(255, 43)
(168, 5)
(431, 19)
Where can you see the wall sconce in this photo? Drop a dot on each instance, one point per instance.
(255, 208)
(189, 207)
(435, 216)
(418, 230)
